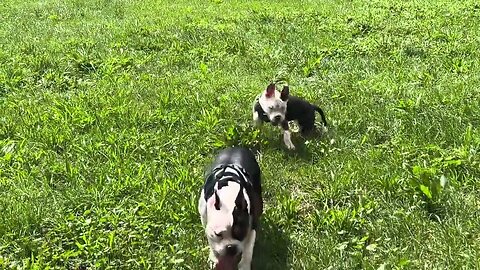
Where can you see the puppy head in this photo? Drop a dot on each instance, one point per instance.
(274, 103)
(228, 222)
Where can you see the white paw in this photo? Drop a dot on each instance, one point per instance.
(290, 146)
(287, 140)
(256, 120)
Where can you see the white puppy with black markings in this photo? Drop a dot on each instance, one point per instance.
(280, 107)
(230, 206)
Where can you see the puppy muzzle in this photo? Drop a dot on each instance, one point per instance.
(277, 119)
(231, 250)
(228, 251)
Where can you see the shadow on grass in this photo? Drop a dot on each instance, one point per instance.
(271, 248)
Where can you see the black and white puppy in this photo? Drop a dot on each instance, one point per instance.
(230, 206)
(280, 107)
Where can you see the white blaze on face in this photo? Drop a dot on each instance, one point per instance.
(220, 221)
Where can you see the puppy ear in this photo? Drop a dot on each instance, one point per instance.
(270, 90)
(217, 201)
(285, 93)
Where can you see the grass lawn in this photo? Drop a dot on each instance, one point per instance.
(110, 110)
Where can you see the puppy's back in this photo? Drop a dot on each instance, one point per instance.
(240, 156)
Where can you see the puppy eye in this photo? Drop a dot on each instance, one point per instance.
(271, 107)
(218, 234)
(238, 233)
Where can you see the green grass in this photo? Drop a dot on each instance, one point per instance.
(111, 110)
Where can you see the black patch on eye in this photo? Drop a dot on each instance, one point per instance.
(241, 218)
(240, 225)
(240, 230)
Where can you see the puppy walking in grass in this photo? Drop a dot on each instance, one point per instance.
(280, 107)
(230, 206)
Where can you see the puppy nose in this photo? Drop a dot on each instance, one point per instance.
(232, 250)
(277, 118)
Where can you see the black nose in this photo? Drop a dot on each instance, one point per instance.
(277, 118)
(232, 250)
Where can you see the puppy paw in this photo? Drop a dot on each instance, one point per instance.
(290, 146)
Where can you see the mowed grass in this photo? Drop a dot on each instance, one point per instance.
(111, 110)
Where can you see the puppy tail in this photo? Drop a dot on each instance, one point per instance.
(324, 120)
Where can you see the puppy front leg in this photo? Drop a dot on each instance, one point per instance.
(256, 119)
(246, 262)
(287, 136)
